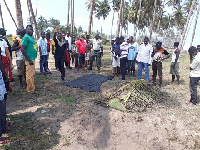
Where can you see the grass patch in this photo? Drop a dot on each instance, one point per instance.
(66, 100)
(115, 103)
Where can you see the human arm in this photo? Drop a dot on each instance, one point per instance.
(8, 55)
(40, 50)
(15, 45)
(25, 54)
(5, 77)
(166, 55)
(177, 52)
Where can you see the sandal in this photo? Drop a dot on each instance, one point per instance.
(3, 141)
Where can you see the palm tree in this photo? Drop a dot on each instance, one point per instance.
(68, 14)
(19, 14)
(137, 21)
(10, 13)
(1, 18)
(120, 18)
(72, 18)
(91, 14)
(153, 20)
(34, 19)
(186, 26)
(195, 25)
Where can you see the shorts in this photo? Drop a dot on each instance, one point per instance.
(82, 59)
(20, 67)
(174, 69)
(87, 56)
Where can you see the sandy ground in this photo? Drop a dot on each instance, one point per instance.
(89, 125)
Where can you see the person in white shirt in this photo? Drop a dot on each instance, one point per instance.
(174, 68)
(69, 39)
(97, 44)
(194, 73)
(144, 58)
(123, 57)
(43, 53)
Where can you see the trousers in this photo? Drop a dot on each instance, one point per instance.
(30, 76)
(157, 69)
(123, 62)
(97, 54)
(142, 65)
(194, 82)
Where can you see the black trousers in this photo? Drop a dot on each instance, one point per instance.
(194, 82)
(2, 116)
(157, 69)
(60, 61)
(123, 62)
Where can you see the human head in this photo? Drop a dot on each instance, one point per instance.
(43, 34)
(80, 37)
(97, 37)
(131, 39)
(59, 36)
(121, 39)
(176, 44)
(146, 40)
(192, 51)
(112, 42)
(117, 40)
(48, 36)
(63, 36)
(87, 36)
(22, 33)
(2, 31)
(198, 47)
(128, 40)
(29, 30)
(18, 32)
(68, 33)
(158, 45)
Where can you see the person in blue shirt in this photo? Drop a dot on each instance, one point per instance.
(133, 50)
(116, 58)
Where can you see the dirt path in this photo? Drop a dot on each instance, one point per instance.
(64, 118)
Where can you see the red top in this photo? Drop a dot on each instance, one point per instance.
(81, 45)
(48, 45)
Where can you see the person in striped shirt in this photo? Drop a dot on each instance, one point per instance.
(123, 57)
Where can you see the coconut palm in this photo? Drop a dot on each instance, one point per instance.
(1, 18)
(120, 17)
(68, 14)
(195, 25)
(91, 16)
(19, 14)
(72, 18)
(34, 19)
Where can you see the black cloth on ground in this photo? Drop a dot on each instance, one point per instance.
(90, 83)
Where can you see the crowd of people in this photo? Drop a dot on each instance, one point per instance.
(82, 53)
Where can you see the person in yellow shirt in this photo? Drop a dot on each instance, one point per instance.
(17, 35)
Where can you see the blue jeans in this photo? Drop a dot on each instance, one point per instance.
(131, 65)
(142, 65)
(43, 63)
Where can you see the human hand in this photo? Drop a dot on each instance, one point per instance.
(57, 29)
(30, 62)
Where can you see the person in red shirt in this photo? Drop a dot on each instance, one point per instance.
(48, 36)
(81, 52)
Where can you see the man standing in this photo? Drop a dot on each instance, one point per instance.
(194, 73)
(61, 48)
(3, 36)
(174, 69)
(116, 58)
(97, 44)
(144, 58)
(132, 54)
(29, 50)
(159, 54)
(123, 57)
(48, 36)
(69, 39)
(81, 52)
(20, 59)
(67, 54)
(43, 54)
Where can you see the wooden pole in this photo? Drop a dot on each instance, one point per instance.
(1, 18)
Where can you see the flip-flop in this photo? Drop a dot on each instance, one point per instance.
(3, 141)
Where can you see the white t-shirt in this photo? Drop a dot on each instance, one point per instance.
(144, 53)
(69, 41)
(3, 45)
(124, 47)
(96, 44)
(195, 65)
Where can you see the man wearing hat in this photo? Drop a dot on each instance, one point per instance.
(174, 69)
(159, 54)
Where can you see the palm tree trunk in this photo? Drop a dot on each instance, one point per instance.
(153, 21)
(19, 14)
(34, 19)
(68, 14)
(186, 26)
(137, 22)
(72, 18)
(195, 25)
(120, 17)
(10, 13)
(112, 25)
(1, 18)
(91, 14)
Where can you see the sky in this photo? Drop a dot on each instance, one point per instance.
(58, 10)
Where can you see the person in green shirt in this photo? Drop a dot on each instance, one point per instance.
(29, 50)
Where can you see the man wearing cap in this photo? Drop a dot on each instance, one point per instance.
(97, 44)
(159, 54)
(174, 69)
